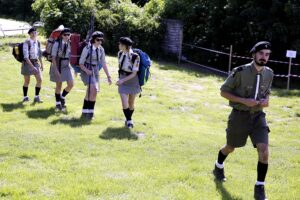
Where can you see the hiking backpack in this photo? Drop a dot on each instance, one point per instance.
(55, 36)
(17, 51)
(144, 68)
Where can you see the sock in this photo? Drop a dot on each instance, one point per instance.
(261, 173)
(57, 97)
(25, 90)
(130, 114)
(92, 106)
(85, 106)
(221, 158)
(64, 94)
(37, 91)
(126, 113)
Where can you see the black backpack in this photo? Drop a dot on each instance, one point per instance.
(17, 51)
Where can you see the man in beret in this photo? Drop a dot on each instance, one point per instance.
(248, 88)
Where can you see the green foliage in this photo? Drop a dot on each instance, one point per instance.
(17, 9)
(114, 18)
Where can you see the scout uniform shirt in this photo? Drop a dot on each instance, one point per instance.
(247, 82)
(32, 51)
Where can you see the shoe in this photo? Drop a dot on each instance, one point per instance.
(25, 99)
(63, 103)
(90, 116)
(37, 99)
(58, 107)
(130, 124)
(219, 174)
(259, 192)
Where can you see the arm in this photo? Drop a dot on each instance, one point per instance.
(236, 99)
(105, 68)
(82, 60)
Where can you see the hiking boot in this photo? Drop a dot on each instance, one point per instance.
(37, 99)
(259, 192)
(219, 174)
(130, 124)
(63, 103)
(25, 99)
(58, 107)
(90, 116)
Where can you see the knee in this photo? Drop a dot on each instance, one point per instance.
(227, 149)
(263, 153)
(70, 85)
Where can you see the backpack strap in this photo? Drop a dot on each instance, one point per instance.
(121, 64)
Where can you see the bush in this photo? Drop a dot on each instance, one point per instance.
(114, 18)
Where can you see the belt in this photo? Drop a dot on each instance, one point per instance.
(124, 72)
(246, 111)
(64, 58)
(33, 60)
(93, 65)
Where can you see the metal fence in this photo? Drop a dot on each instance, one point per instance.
(230, 56)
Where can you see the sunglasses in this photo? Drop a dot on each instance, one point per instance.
(99, 39)
(66, 34)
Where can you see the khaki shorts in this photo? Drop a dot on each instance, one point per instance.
(242, 124)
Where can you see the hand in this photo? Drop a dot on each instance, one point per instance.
(250, 102)
(42, 67)
(35, 71)
(264, 103)
(89, 72)
(119, 82)
(109, 80)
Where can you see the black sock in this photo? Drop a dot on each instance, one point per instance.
(65, 93)
(126, 113)
(221, 157)
(92, 105)
(25, 90)
(57, 97)
(37, 91)
(85, 105)
(130, 114)
(261, 171)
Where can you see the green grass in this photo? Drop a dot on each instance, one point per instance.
(180, 122)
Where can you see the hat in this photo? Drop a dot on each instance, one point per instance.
(260, 46)
(31, 30)
(126, 41)
(65, 30)
(97, 34)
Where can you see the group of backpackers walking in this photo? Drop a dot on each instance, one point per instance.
(133, 69)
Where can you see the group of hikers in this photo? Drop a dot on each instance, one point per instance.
(247, 88)
(92, 56)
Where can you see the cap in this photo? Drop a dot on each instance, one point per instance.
(126, 41)
(31, 30)
(260, 46)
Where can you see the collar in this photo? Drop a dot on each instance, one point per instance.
(94, 48)
(32, 41)
(63, 42)
(129, 53)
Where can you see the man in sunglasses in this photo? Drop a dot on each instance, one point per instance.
(248, 89)
(61, 70)
(30, 66)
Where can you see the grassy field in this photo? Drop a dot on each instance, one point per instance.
(180, 122)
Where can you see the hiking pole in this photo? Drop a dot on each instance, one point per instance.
(91, 51)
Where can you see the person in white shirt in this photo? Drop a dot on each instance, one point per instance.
(30, 66)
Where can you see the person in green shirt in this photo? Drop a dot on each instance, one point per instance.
(248, 89)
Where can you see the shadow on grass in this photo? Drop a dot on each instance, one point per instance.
(223, 192)
(72, 122)
(286, 93)
(118, 133)
(9, 107)
(41, 113)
